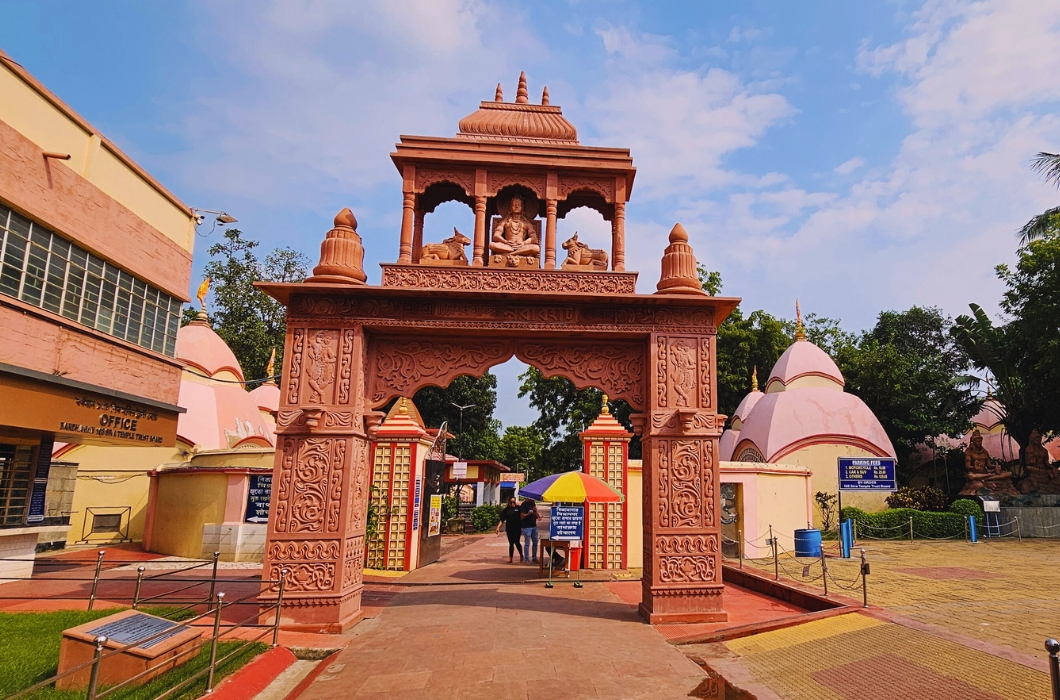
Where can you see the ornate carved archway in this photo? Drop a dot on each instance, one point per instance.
(351, 347)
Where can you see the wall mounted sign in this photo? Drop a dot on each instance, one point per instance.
(566, 523)
(434, 522)
(460, 470)
(867, 474)
(258, 496)
(38, 497)
(418, 494)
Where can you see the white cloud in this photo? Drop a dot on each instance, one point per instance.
(850, 166)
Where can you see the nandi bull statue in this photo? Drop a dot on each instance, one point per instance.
(581, 257)
(448, 252)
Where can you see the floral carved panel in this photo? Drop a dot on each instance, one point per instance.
(398, 366)
(353, 562)
(687, 558)
(602, 186)
(305, 577)
(294, 372)
(309, 494)
(465, 179)
(685, 482)
(615, 368)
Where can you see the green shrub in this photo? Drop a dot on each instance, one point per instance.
(484, 518)
(966, 506)
(921, 498)
(894, 523)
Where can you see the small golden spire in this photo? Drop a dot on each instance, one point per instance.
(605, 409)
(544, 96)
(403, 409)
(499, 97)
(270, 369)
(754, 378)
(800, 333)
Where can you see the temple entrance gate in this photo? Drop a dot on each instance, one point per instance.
(352, 347)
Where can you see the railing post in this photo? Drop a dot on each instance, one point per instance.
(739, 546)
(1053, 647)
(824, 572)
(966, 529)
(213, 640)
(910, 529)
(279, 606)
(1018, 533)
(93, 678)
(776, 564)
(864, 581)
(139, 582)
(213, 579)
(95, 579)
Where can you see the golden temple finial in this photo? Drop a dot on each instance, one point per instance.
(270, 369)
(403, 409)
(204, 289)
(544, 96)
(605, 409)
(800, 333)
(499, 97)
(754, 378)
(521, 96)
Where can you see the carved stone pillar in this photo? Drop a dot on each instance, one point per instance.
(320, 481)
(417, 236)
(480, 231)
(550, 234)
(408, 214)
(682, 531)
(618, 238)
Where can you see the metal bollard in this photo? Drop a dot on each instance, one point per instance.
(213, 641)
(824, 572)
(776, 564)
(279, 606)
(139, 582)
(1053, 647)
(213, 579)
(93, 678)
(739, 546)
(864, 581)
(95, 579)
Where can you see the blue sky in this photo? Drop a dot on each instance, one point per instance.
(859, 156)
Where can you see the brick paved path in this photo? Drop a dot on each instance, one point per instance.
(516, 640)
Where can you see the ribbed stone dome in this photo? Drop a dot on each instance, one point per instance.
(518, 121)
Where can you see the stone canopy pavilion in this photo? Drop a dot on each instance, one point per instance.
(438, 314)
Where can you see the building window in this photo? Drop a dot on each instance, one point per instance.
(43, 269)
(16, 463)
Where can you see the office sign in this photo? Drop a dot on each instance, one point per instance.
(867, 474)
(566, 523)
(460, 470)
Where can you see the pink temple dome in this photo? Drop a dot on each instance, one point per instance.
(804, 359)
(783, 422)
(267, 396)
(198, 345)
(989, 416)
(727, 444)
(748, 403)
(218, 415)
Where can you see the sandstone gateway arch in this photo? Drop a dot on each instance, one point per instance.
(438, 314)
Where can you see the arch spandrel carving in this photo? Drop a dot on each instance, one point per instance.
(465, 179)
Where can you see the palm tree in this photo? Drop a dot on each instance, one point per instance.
(1048, 165)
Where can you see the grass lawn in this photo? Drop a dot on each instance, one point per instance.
(30, 644)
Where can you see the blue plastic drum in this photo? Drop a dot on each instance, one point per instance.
(808, 543)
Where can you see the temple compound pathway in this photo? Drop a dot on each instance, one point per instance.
(998, 592)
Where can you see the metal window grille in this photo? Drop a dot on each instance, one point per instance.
(43, 269)
(16, 464)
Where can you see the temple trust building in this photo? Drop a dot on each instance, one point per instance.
(95, 261)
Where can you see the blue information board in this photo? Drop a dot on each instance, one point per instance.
(258, 496)
(38, 497)
(867, 474)
(566, 522)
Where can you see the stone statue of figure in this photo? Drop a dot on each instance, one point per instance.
(1041, 478)
(982, 473)
(515, 237)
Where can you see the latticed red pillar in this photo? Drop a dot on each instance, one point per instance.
(606, 456)
(399, 447)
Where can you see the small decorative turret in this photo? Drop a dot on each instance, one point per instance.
(341, 253)
(521, 96)
(499, 97)
(679, 266)
(544, 96)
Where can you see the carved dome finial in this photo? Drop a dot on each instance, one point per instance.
(605, 409)
(521, 96)
(403, 409)
(754, 379)
(800, 333)
(341, 253)
(544, 96)
(499, 97)
(679, 266)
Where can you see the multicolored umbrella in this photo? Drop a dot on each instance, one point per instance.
(571, 487)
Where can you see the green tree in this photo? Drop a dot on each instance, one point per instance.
(522, 449)
(478, 439)
(563, 412)
(248, 320)
(908, 369)
(1048, 165)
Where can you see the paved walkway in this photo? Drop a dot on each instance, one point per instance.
(463, 639)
